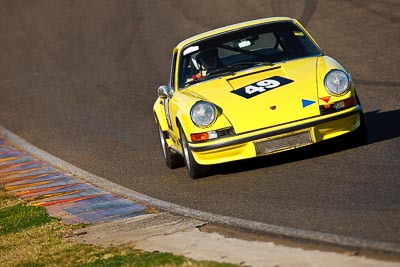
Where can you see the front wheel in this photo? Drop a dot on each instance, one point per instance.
(172, 159)
(194, 169)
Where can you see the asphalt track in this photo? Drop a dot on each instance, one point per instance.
(78, 79)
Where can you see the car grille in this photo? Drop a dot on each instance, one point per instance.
(281, 143)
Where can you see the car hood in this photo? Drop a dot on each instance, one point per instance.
(265, 97)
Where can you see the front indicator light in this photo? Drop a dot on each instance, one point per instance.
(196, 137)
(347, 103)
(339, 105)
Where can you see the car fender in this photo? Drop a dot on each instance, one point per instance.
(159, 114)
(181, 116)
(183, 119)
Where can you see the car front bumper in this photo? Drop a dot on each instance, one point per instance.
(277, 139)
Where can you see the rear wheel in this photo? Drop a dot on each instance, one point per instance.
(194, 169)
(172, 159)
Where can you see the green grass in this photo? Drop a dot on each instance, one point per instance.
(20, 217)
(31, 238)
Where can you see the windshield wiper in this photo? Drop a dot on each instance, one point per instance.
(229, 70)
(232, 69)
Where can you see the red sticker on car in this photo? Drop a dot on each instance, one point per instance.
(325, 99)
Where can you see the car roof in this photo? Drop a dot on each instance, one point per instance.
(230, 28)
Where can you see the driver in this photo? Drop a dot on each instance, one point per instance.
(208, 61)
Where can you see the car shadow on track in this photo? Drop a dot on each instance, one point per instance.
(381, 126)
(309, 152)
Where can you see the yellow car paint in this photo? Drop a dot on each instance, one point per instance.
(254, 110)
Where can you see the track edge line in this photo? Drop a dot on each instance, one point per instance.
(105, 184)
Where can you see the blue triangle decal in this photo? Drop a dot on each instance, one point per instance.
(306, 102)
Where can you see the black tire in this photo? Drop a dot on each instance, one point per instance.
(172, 159)
(194, 169)
(359, 136)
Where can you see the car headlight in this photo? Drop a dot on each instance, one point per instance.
(337, 82)
(203, 114)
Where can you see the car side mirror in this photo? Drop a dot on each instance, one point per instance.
(165, 91)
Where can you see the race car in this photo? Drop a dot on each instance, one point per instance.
(252, 89)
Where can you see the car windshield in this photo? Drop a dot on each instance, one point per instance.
(228, 53)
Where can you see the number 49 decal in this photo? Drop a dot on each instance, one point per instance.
(262, 86)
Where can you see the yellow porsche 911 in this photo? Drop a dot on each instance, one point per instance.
(252, 89)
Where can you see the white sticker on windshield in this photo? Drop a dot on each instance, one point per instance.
(244, 43)
(190, 50)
